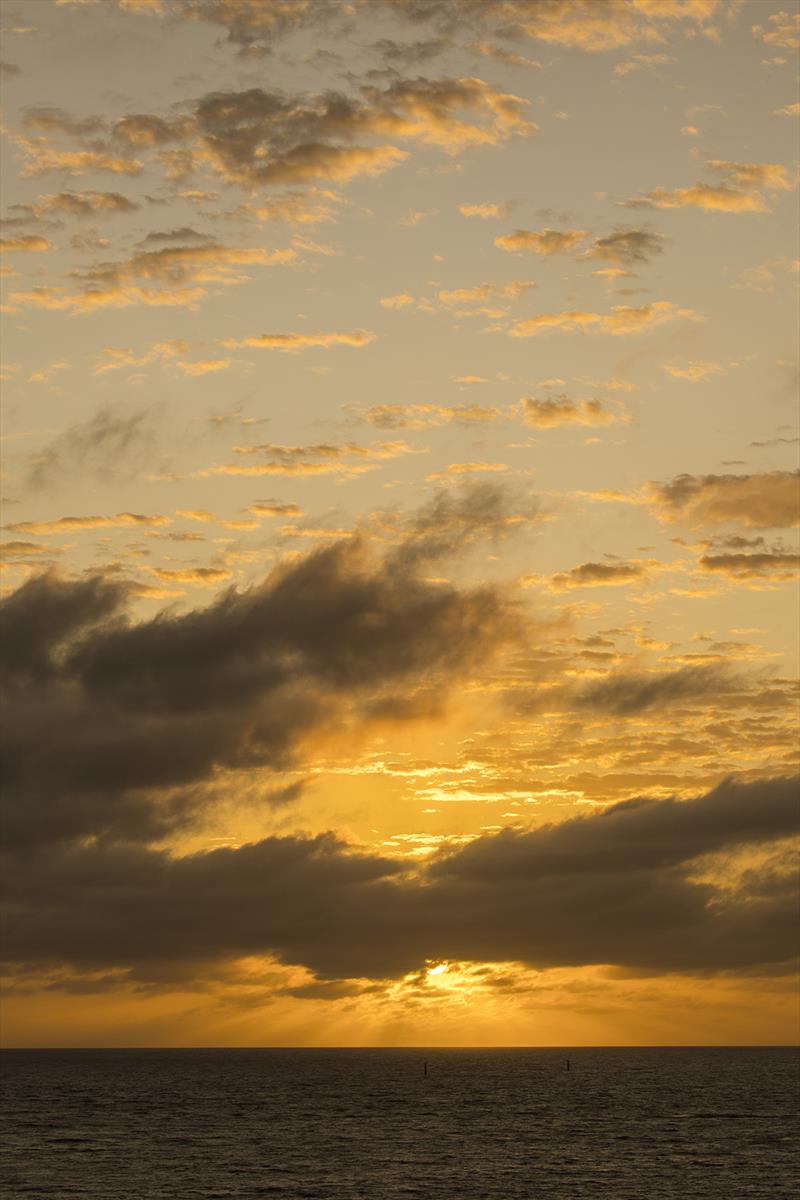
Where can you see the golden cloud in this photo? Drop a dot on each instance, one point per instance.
(204, 366)
(302, 341)
(26, 243)
(555, 411)
(546, 242)
(203, 576)
(124, 520)
(622, 319)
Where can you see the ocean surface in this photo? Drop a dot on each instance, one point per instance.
(631, 1124)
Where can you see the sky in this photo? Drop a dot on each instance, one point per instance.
(400, 503)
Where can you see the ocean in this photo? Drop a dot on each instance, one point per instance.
(632, 1124)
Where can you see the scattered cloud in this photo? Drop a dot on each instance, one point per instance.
(205, 366)
(425, 416)
(25, 243)
(302, 341)
(777, 565)
(622, 319)
(626, 246)
(125, 520)
(758, 501)
(695, 371)
(782, 29)
(546, 242)
(554, 411)
(737, 194)
(488, 212)
(601, 574)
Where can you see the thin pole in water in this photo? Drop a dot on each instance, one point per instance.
(425, 1068)
(567, 1064)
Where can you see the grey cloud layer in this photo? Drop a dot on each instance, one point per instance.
(256, 138)
(616, 887)
(113, 726)
(593, 26)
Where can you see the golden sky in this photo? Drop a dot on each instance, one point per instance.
(400, 505)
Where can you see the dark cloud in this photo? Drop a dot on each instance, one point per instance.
(410, 54)
(57, 120)
(617, 887)
(593, 573)
(114, 727)
(627, 246)
(184, 234)
(766, 565)
(86, 203)
(257, 138)
(629, 693)
(255, 27)
(109, 445)
(554, 411)
(453, 521)
(9, 70)
(759, 501)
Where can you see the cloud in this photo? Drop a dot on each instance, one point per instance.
(546, 242)
(134, 711)
(123, 520)
(119, 285)
(642, 62)
(17, 549)
(456, 297)
(782, 29)
(42, 159)
(302, 341)
(486, 211)
(630, 693)
(290, 467)
(560, 410)
(401, 300)
(256, 138)
(594, 28)
(204, 366)
(116, 358)
(86, 203)
(328, 450)
(480, 299)
(778, 565)
(737, 194)
(250, 25)
(758, 501)
(715, 198)
(270, 508)
(467, 468)
(772, 176)
(27, 243)
(108, 445)
(456, 519)
(622, 319)
(594, 574)
(205, 576)
(626, 246)
(293, 460)
(584, 25)
(788, 110)
(425, 416)
(711, 197)
(695, 371)
(616, 887)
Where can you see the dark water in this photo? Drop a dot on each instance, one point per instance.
(496, 1124)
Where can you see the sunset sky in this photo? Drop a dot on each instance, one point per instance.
(400, 505)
